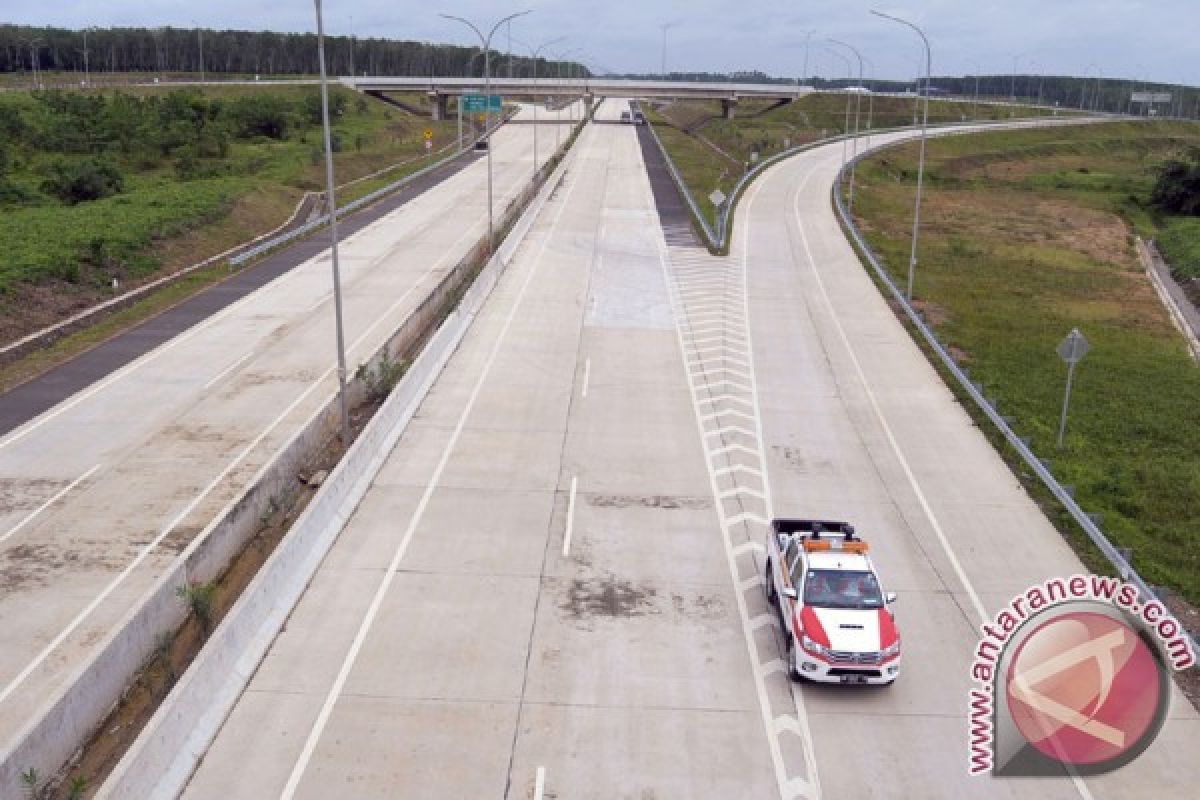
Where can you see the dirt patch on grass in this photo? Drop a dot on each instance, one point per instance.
(251, 215)
(1020, 218)
(934, 314)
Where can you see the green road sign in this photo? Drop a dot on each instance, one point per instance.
(478, 103)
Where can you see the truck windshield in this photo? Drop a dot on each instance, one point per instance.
(836, 588)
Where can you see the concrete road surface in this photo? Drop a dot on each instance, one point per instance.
(100, 493)
(552, 588)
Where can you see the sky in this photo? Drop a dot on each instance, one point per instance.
(1151, 40)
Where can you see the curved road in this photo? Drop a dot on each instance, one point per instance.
(552, 588)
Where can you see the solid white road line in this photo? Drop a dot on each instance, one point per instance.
(1078, 782)
(539, 783)
(216, 378)
(62, 492)
(364, 629)
(570, 516)
(869, 393)
(587, 376)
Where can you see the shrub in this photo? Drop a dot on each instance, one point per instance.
(82, 181)
(1177, 190)
(199, 599)
(266, 115)
(312, 106)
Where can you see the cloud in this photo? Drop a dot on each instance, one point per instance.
(1123, 38)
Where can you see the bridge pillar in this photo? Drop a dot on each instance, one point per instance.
(440, 105)
(728, 106)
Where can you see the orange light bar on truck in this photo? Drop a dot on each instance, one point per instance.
(817, 545)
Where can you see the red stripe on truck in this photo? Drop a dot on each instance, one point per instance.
(811, 625)
(888, 634)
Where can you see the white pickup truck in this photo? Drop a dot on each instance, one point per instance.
(836, 622)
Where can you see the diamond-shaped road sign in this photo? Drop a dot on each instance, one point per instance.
(717, 197)
(1073, 348)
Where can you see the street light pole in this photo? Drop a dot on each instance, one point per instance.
(846, 124)
(574, 51)
(807, 42)
(665, 27)
(486, 41)
(331, 202)
(912, 261)
(534, 54)
(857, 111)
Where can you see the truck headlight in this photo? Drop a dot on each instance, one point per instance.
(891, 650)
(813, 647)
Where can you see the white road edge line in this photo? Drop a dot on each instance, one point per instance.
(216, 378)
(539, 783)
(570, 516)
(587, 376)
(57, 496)
(314, 735)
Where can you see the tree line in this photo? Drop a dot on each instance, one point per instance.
(191, 50)
(173, 50)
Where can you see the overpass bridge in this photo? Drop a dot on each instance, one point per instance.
(440, 90)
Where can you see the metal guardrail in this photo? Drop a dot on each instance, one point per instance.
(321, 221)
(1124, 569)
(717, 243)
(354, 205)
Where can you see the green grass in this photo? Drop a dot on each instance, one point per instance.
(1179, 242)
(1028, 235)
(85, 245)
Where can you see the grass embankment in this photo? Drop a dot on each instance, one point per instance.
(714, 153)
(1026, 235)
(199, 171)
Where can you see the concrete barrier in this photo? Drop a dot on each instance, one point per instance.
(70, 717)
(164, 756)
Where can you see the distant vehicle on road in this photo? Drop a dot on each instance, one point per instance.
(639, 118)
(834, 612)
(481, 144)
(626, 117)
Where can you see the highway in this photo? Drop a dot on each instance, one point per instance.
(103, 491)
(552, 588)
